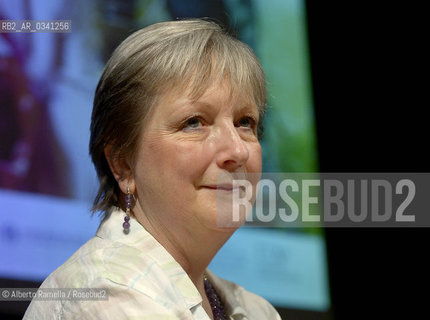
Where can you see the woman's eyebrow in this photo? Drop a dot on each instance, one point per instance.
(202, 105)
(249, 107)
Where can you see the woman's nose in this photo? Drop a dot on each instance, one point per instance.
(232, 151)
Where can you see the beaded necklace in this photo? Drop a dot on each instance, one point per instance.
(214, 300)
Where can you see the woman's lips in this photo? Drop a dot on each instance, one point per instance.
(222, 187)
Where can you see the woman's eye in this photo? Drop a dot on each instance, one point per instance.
(192, 123)
(247, 122)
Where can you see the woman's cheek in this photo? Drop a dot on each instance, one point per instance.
(255, 158)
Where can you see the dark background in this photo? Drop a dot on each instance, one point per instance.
(368, 76)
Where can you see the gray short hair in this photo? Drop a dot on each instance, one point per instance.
(175, 55)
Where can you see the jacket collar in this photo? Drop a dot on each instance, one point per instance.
(145, 261)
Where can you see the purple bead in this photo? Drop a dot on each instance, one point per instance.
(128, 198)
(216, 304)
(126, 225)
(126, 218)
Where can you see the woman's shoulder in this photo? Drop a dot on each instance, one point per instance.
(128, 274)
(78, 270)
(98, 259)
(110, 255)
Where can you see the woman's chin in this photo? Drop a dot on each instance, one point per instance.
(224, 218)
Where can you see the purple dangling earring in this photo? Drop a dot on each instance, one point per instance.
(128, 202)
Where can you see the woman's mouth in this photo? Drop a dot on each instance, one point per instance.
(222, 187)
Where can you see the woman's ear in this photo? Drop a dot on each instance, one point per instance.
(121, 170)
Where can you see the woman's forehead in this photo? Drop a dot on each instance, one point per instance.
(220, 91)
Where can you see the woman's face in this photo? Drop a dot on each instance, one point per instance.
(186, 146)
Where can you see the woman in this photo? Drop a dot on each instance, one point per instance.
(178, 105)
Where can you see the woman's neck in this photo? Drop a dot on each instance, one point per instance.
(193, 248)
